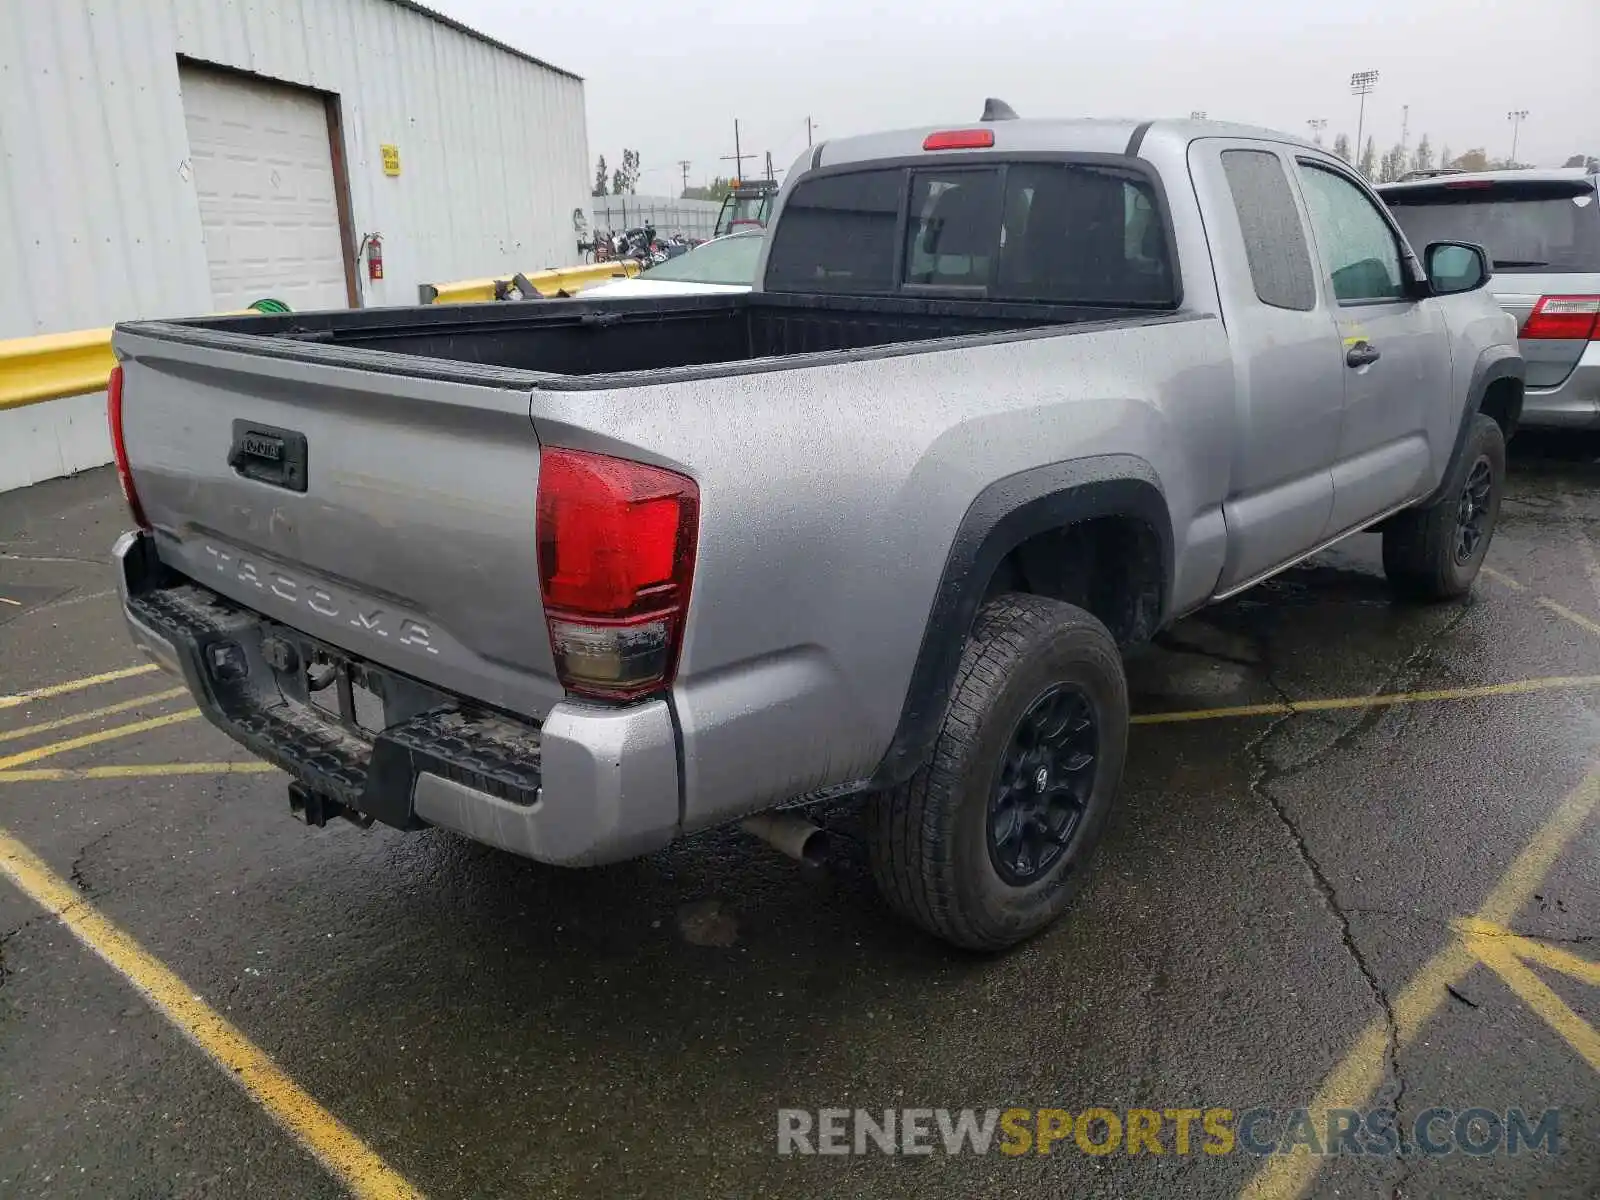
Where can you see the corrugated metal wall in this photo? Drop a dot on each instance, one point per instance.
(98, 216)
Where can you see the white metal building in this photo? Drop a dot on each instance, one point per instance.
(175, 157)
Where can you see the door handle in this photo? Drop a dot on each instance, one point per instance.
(1361, 354)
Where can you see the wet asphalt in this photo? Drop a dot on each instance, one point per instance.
(492, 1027)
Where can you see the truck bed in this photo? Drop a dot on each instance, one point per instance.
(570, 341)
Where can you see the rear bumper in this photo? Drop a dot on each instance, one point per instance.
(589, 785)
(1574, 404)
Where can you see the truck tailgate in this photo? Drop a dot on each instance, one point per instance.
(388, 515)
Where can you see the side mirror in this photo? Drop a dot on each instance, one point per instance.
(1455, 267)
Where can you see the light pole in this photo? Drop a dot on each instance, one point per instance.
(1362, 83)
(1317, 125)
(1516, 117)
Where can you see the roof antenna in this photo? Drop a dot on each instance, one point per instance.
(997, 110)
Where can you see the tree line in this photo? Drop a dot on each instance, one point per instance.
(1396, 162)
(623, 181)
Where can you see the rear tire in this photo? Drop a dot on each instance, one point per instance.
(1434, 553)
(989, 840)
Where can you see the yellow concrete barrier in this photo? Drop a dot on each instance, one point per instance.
(50, 366)
(547, 283)
(53, 365)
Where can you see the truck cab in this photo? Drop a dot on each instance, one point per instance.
(748, 205)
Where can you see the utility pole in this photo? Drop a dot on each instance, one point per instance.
(769, 166)
(808, 133)
(683, 165)
(1405, 127)
(1362, 83)
(1516, 117)
(1317, 125)
(738, 156)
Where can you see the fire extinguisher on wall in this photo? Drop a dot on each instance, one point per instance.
(373, 244)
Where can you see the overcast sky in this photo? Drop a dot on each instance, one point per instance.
(668, 78)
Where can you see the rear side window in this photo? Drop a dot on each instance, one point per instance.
(1528, 228)
(837, 234)
(1065, 233)
(1274, 238)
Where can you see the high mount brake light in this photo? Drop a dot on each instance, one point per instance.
(119, 448)
(616, 544)
(959, 139)
(1564, 318)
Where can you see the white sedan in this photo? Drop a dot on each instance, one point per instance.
(724, 264)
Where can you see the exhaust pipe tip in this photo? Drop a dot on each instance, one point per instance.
(791, 835)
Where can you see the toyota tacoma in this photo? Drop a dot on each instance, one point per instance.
(577, 578)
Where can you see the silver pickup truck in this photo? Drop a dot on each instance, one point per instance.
(579, 578)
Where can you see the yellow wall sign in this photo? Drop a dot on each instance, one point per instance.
(391, 159)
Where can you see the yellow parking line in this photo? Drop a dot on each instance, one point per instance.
(333, 1144)
(92, 739)
(1502, 577)
(94, 714)
(75, 685)
(1532, 951)
(1561, 610)
(134, 771)
(1277, 708)
(1537, 995)
(1379, 700)
(1357, 1076)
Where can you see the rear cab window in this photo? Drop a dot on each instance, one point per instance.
(1062, 232)
(1531, 226)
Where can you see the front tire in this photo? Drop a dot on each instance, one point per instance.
(989, 840)
(1434, 553)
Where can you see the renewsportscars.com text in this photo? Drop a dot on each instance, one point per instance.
(1176, 1131)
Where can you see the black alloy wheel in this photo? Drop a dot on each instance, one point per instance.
(1472, 514)
(1045, 779)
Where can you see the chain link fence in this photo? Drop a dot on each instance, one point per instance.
(691, 218)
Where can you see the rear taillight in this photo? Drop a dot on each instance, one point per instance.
(119, 448)
(616, 543)
(1564, 318)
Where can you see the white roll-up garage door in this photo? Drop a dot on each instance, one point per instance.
(264, 176)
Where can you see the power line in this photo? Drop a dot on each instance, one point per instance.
(738, 156)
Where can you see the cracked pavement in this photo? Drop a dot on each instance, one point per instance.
(492, 1027)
